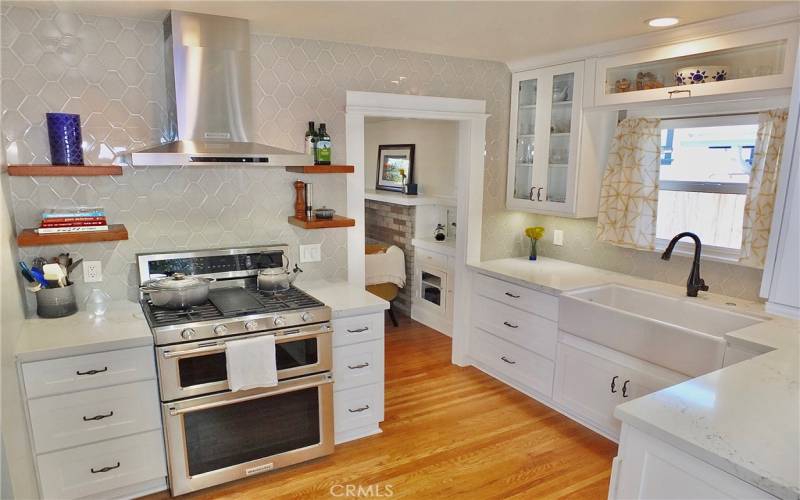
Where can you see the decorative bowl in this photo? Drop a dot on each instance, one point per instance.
(324, 213)
(691, 75)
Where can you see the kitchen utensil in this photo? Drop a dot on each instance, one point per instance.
(56, 302)
(38, 276)
(97, 302)
(26, 273)
(38, 262)
(177, 291)
(691, 75)
(73, 265)
(63, 259)
(55, 272)
(324, 213)
(276, 277)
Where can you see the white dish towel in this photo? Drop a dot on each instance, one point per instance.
(251, 363)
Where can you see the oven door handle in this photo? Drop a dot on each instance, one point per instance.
(225, 402)
(220, 347)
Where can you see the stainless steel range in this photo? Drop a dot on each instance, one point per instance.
(214, 435)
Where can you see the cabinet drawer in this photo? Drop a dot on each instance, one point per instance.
(517, 296)
(78, 373)
(107, 465)
(522, 328)
(86, 417)
(358, 364)
(522, 365)
(429, 258)
(357, 329)
(357, 407)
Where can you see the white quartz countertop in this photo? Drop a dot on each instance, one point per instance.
(122, 326)
(343, 298)
(743, 419)
(447, 247)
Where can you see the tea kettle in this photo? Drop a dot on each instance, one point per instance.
(275, 275)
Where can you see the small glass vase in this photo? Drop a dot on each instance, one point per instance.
(532, 256)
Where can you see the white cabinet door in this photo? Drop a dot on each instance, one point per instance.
(589, 386)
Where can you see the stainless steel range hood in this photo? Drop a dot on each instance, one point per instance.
(209, 103)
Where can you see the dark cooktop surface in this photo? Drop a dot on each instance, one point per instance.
(227, 303)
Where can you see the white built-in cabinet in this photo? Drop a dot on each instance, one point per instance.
(746, 61)
(434, 270)
(556, 151)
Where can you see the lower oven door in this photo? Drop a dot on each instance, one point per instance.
(198, 368)
(223, 437)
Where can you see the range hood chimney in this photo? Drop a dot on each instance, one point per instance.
(209, 103)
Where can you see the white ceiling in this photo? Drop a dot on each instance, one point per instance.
(500, 31)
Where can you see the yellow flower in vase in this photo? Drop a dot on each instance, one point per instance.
(534, 234)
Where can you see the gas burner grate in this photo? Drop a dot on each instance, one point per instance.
(287, 300)
(160, 316)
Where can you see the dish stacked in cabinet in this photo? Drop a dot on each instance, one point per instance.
(95, 424)
(358, 369)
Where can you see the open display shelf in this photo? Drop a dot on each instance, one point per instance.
(63, 170)
(314, 223)
(30, 238)
(322, 169)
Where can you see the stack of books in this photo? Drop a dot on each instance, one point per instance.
(73, 220)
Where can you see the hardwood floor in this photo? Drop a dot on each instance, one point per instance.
(449, 432)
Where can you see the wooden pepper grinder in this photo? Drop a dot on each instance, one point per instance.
(300, 200)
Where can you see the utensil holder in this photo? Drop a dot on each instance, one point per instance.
(56, 302)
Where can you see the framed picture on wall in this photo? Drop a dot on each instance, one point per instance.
(395, 166)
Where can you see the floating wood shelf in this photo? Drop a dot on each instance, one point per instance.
(322, 169)
(30, 238)
(63, 170)
(315, 223)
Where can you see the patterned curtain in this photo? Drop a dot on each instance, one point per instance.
(629, 193)
(760, 199)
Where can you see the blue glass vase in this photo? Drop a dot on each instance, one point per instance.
(64, 131)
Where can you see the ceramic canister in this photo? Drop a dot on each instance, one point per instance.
(64, 131)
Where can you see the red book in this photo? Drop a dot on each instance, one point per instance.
(72, 224)
(74, 219)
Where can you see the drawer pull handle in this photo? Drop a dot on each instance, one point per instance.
(104, 469)
(510, 325)
(357, 367)
(358, 330)
(625, 389)
(92, 372)
(510, 362)
(359, 410)
(614, 384)
(673, 92)
(99, 417)
(512, 295)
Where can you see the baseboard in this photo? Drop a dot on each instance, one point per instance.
(541, 398)
(432, 320)
(135, 490)
(782, 310)
(357, 433)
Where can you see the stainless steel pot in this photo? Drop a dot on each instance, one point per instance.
(177, 291)
(277, 279)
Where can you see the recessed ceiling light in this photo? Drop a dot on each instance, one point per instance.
(661, 22)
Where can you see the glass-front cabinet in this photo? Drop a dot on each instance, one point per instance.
(744, 61)
(545, 134)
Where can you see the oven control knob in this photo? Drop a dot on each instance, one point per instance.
(280, 321)
(307, 316)
(188, 333)
(250, 326)
(220, 330)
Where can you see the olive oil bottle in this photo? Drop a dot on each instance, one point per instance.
(322, 148)
(311, 138)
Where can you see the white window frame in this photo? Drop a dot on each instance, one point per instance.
(709, 252)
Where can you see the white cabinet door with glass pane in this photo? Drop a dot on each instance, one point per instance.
(545, 144)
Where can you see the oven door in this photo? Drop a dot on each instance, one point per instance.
(198, 368)
(223, 437)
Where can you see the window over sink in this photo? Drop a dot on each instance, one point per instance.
(705, 171)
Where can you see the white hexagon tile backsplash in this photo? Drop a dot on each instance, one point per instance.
(111, 72)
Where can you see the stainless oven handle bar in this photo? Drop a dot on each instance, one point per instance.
(225, 402)
(221, 346)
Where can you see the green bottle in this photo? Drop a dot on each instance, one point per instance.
(311, 137)
(322, 149)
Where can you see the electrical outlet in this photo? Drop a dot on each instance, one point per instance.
(558, 237)
(310, 253)
(92, 271)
